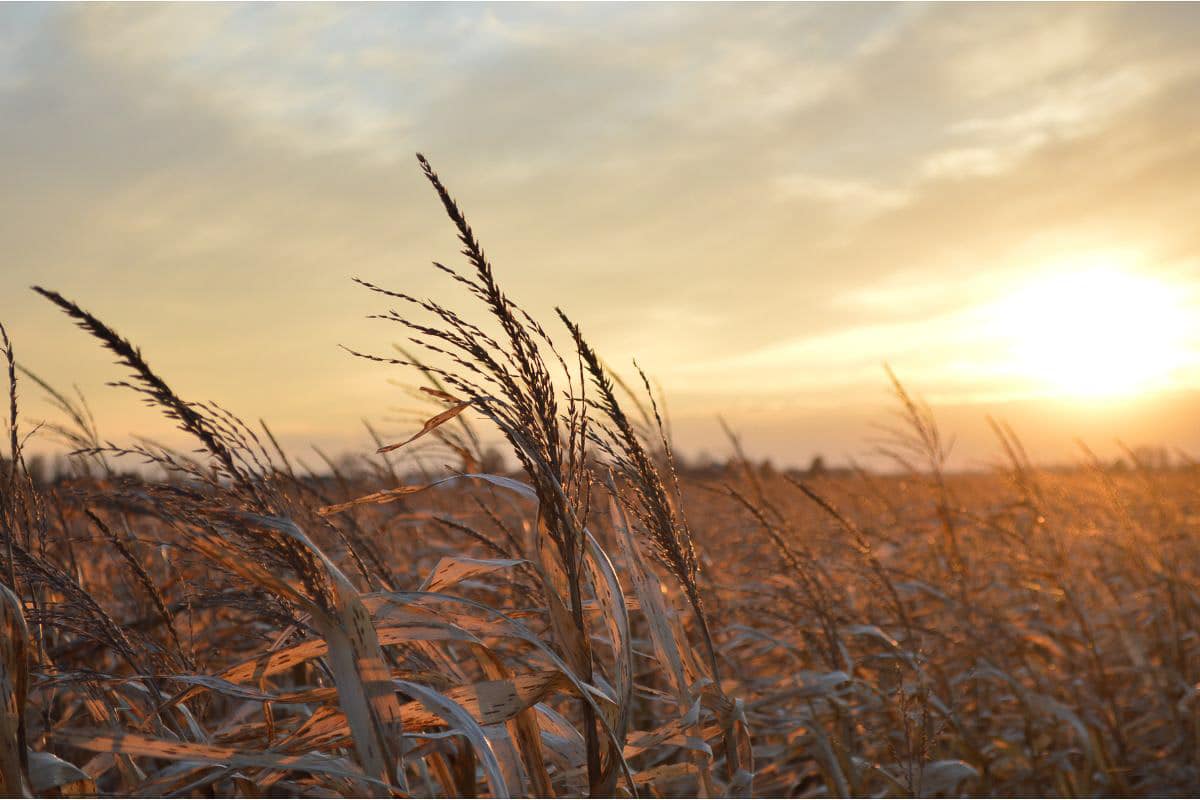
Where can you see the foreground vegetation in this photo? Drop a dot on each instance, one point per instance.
(593, 624)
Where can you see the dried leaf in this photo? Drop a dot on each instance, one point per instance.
(136, 744)
(610, 600)
(364, 684)
(455, 569)
(457, 716)
(47, 771)
(378, 498)
(943, 777)
(440, 395)
(430, 424)
(14, 688)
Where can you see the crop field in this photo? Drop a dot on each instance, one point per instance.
(590, 620)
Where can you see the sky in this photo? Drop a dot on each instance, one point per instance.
(761, 203)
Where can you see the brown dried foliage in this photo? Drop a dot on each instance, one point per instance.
(600, 623)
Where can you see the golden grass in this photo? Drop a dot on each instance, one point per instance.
(595, 624)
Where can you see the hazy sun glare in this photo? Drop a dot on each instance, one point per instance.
(1097, 332)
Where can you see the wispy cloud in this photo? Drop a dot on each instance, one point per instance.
(757, 189)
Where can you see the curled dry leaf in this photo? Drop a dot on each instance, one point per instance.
(430, 424)
(377, 498)
(451, 570)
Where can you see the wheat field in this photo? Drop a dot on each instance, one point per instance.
(597, 621)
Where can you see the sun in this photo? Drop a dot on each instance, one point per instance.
(1097, 332)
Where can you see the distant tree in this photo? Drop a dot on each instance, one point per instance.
(493, 461)
(38, 472)
(1152, 456)
(816, 467)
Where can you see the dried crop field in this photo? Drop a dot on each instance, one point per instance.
(595, 622)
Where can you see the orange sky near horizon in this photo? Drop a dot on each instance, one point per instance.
(761, 203)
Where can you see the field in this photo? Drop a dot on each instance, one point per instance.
(594, 622)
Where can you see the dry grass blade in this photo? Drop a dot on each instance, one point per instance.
(9, 515)
(189, 417)
(430, 424)
(365, 690)
(50, 774)
(453, 570)
(14, 688)
(495, 701)
(610, 601)
(8, 483)
(509, 693)
(456, 715)
(382, 497)
(133, 744)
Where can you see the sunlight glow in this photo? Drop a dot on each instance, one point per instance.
(1099, 331)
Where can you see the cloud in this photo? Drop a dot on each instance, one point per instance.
(846, 198)
(706, 187)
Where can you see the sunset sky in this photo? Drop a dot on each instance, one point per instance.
(761, 203)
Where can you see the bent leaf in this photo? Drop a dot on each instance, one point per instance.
(47, 771)
(430, 424)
